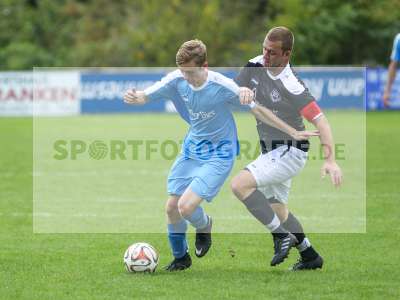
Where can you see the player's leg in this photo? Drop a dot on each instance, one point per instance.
(309, 257)
(179, 179)
(244, 186)
(294, 160)
(177, 227)
(205, 186)
(256, 185)
(190, 209)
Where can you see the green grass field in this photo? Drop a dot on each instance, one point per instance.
(89, 265)
(122, 193)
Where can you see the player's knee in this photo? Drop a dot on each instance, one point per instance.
(281, 211)
(238, 187)
(185, 209)
(283, 215)
(171, 207)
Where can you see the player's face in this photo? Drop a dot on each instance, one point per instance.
(273, 54)
(194, 74)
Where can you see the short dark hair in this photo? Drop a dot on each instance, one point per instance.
(282, 34)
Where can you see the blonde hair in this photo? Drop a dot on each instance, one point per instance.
(192, 50)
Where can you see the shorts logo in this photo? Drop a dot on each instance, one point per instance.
(275, 96)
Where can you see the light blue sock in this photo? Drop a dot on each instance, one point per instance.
(177, 238)
(198, 218)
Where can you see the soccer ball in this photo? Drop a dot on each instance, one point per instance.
(141, 257)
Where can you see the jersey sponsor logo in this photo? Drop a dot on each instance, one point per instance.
(201, 115)
(275, 96)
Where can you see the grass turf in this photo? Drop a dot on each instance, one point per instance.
(89, 266)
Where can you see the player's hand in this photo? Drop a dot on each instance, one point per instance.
(304, 135)
(334, 171)
(386, 97)
(246, 95)
(132, 96)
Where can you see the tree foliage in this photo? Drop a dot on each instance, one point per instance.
(128, 33)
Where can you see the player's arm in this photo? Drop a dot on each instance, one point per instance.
(163, 89)
(313, 114)
(268, 117)
(394, 59)
(246, 97)
(132, 96)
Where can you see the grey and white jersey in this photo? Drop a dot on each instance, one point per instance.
(284, 94)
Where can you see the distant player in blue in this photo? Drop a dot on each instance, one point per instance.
(204, 99)
(394, 59)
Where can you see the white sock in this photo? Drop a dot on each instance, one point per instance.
(275, 223)
(303, 245)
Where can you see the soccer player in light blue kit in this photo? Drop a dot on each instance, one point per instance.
(394, 60)
(204, 99)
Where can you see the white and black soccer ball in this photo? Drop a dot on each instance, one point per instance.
(141, 257)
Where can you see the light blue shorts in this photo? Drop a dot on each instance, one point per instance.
(204, 177)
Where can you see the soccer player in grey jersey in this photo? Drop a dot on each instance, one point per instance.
(263, 186)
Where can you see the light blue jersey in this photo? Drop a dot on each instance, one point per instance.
(212, 132)
(396, 49)
(210, 146)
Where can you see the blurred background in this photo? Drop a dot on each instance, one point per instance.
(147, 33)
(102, 33)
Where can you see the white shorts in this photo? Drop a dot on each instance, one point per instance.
(274, 170)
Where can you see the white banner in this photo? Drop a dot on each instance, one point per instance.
(39, 93)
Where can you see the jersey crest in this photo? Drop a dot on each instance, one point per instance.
(275, 96)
